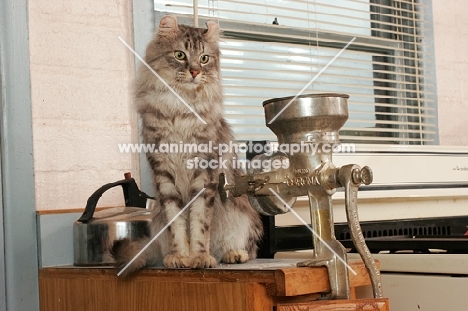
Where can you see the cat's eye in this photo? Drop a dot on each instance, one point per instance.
(179, 55)
(204, 59)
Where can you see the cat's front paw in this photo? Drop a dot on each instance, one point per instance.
(176, 261)
(237, 256)
(201, 261)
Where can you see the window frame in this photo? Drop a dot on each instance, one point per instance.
(403, 98)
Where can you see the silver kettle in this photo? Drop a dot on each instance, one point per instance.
(95, 232)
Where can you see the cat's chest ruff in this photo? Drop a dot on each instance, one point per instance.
(185, 123)
(182, 127)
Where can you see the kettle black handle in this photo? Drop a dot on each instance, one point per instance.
(133, 197)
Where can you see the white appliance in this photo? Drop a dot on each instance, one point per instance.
(413, 189)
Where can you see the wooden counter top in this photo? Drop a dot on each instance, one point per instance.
(257, 285)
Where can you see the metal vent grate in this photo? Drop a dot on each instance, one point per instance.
(299, 237)
(443, 226)
(409, 231)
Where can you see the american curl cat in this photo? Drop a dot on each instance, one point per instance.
(209, 231)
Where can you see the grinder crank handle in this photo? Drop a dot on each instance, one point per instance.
(351, 177)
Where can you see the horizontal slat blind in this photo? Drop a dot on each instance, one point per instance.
(274, 48)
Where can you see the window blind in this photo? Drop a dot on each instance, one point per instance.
(274, 48)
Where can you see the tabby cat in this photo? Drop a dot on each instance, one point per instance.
(209, 231)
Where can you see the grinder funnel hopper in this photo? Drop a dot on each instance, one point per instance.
(314, 118)
(311, 122)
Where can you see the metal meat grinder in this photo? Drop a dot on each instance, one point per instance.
(311, 119)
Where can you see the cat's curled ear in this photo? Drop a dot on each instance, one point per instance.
(212, 31)
(167, 25)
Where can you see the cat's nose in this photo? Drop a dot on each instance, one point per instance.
(194, 73)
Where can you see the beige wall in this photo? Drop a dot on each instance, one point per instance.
(451, 52)
(80, 77)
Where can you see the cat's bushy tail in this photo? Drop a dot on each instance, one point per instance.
(126, 251)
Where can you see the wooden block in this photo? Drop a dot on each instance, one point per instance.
(380, 304)
(362, 277)
(300, 281)
(293, 282)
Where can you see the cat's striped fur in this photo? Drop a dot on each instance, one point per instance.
(209, 231)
